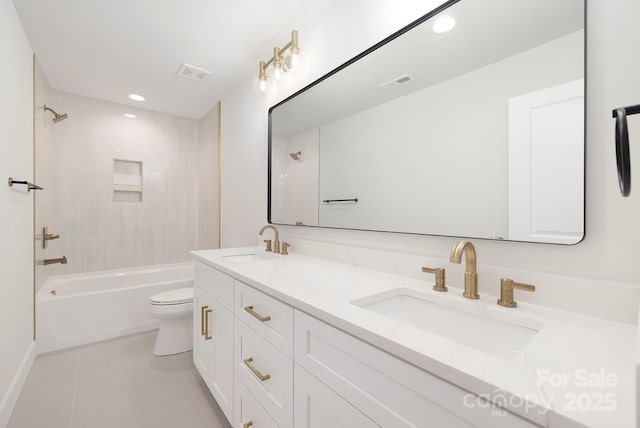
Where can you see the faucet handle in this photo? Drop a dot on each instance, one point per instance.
(440, 281)
(506, 292)
(285, 248)
(268, 242)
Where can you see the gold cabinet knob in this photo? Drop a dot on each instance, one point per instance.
(440, 280)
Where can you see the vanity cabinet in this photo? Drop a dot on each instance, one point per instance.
(293, 370)
(213, 334)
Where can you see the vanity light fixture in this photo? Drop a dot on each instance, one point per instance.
(136, 97)
(443, 24)
(281, 62)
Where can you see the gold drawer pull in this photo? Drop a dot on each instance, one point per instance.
(249, 363)
(248, 424)
(206, 322)
(256, 315)
(202, 330)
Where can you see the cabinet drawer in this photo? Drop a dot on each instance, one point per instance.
(270, 318)
(255, 358)
(215, 283)
(318, 406)
(391, 392)
(248, 412)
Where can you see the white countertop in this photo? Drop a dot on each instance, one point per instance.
(576, 371)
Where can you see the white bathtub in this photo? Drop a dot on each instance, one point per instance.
(82, 308)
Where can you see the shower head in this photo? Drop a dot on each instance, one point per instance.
(296, 156)
(57, 117)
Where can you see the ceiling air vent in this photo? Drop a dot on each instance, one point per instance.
(398, 81)
(193, 72)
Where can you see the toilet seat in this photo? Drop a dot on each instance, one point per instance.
(173, 297)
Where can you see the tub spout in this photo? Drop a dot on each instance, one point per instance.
(62, 260)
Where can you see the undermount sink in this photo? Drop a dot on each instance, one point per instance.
(503, 335)
(247, 258)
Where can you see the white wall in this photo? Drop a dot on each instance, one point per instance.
(610, 249)
(16, 213)
(208, 179)
(97, 233)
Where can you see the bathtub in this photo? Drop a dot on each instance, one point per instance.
(82, 308)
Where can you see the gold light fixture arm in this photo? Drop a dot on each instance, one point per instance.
(278, 54)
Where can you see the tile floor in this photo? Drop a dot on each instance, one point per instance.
(116, 384)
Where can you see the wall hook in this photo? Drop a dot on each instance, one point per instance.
(623, 162)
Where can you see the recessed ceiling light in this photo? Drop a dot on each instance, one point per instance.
(136, 97)
(444, 24)
(129, 115)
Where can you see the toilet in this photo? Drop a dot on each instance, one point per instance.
(174, 309)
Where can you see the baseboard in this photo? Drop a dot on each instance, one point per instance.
(11, 397)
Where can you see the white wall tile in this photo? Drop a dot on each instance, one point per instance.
(77, 158)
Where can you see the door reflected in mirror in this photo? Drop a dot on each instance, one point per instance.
(474, 132)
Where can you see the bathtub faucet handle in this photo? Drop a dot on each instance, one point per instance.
(62, 260)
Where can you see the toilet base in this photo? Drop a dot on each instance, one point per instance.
(174, 337)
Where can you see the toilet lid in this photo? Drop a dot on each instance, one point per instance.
(173, 297)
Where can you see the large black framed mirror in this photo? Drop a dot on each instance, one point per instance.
(474, 132)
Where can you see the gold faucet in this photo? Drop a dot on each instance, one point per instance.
(276, 239)
(470, 276)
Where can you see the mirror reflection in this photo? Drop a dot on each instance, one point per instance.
(477, 131)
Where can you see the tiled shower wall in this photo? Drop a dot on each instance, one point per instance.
(42, 172)
(97, 233)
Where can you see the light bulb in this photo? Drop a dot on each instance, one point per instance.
(295, 61)
(444, 24)
(263, 85)
(277, 73)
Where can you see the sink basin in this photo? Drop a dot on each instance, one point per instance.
(246, 258)
(463, 322)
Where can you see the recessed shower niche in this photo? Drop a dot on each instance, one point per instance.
(127, 180)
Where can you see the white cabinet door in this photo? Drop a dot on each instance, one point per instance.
(392, 392)
(316, 406)
(213, 348)
(202, 344)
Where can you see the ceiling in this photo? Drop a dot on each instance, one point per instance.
(107, 50)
